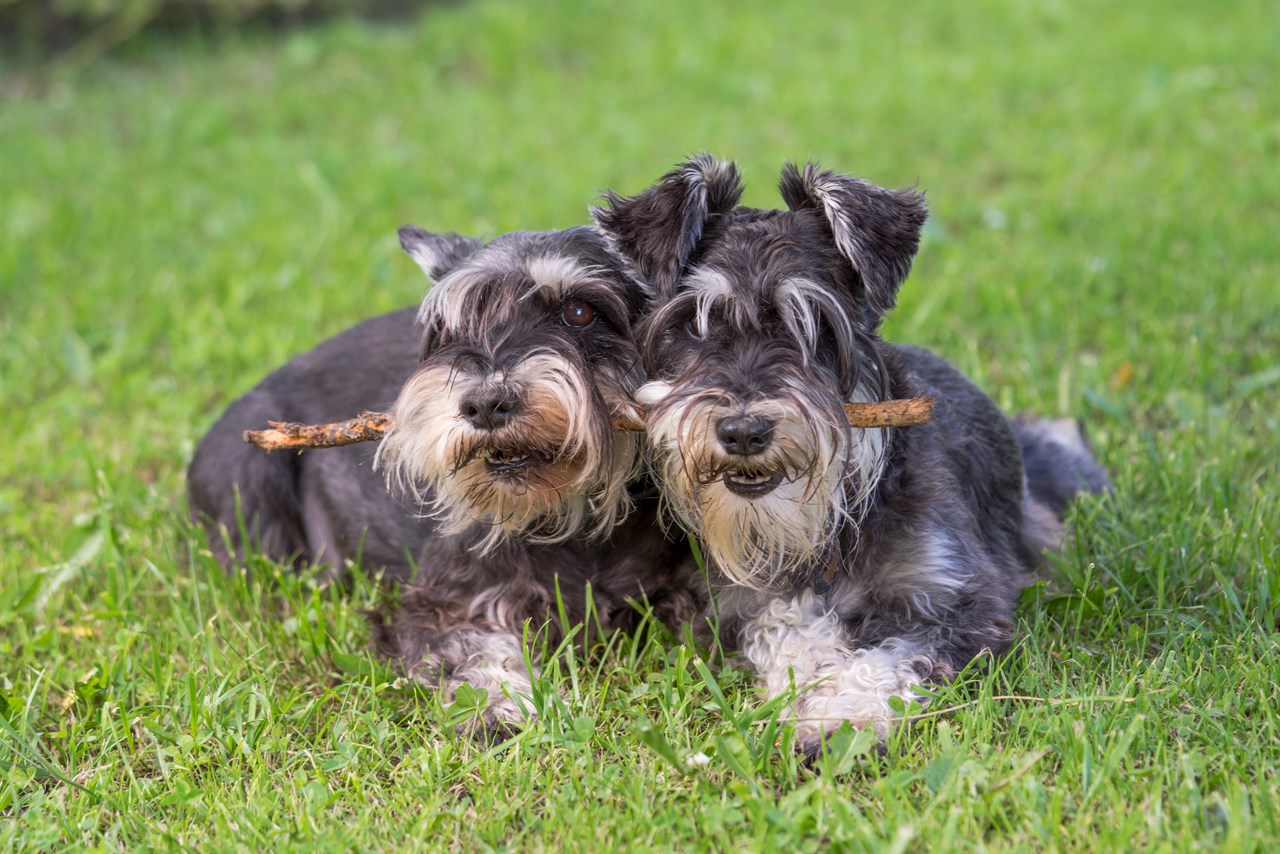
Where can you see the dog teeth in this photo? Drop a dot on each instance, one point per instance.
(752, 486)
(498, 459)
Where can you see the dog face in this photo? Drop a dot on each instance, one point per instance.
(527, 357)
(753, 353)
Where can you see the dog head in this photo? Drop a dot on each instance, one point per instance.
(527, 357)
(752, 355)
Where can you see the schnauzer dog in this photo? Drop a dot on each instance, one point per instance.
(505, 397)
(849, 565)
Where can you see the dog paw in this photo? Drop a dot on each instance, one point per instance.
(811, 736)
(818, 715)
(498, 721)
(812, 747)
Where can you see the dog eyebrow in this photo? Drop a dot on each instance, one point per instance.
(800, 302)
(451, 297)
(707, 287)
(556, 278)
(558, 275)
(552, 277)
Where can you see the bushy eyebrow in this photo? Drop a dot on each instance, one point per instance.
(801, 303)
(452, 299)
(558, 275)
(457, 297)
(704, 289)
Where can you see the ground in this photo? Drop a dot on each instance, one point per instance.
(185, 214)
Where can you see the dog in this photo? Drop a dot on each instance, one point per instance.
(849, 566)
(504, 483)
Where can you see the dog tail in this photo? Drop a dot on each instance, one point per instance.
(1059, 465)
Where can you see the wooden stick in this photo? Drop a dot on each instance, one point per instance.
(288, 435)
(371, 426)
(890, 413)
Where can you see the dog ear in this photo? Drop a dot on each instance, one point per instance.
(656, 232)
(436, 254)
(877, 230)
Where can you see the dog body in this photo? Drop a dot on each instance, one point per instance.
(849, 565)
(318, 508)
(506, 386)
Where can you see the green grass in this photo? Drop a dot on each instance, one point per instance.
(1105, 188)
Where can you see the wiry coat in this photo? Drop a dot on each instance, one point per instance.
(849, 564)
(317, 507)
(509, 481)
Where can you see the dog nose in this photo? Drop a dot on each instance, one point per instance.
(744, 435)
(489, 410)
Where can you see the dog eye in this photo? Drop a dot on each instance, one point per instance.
(691, 329)
(577, 313)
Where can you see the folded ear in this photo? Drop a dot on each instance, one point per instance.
(436, 254)
(656, 231)
(877, 230)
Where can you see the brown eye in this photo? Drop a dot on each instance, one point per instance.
(577, 313)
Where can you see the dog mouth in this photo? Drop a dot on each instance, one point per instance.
(752, 485)
(512, 463)
(522, 466)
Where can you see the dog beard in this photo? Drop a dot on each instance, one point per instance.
(762, 520)
(557, 469)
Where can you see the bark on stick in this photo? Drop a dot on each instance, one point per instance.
(371, 426)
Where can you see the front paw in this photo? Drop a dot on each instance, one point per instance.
(489, 718)
(816, 745)
(818, 715)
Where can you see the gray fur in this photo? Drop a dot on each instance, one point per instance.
(1059, 461)
(924, 528)
(318, 507)
(473, 580)
(657, 231)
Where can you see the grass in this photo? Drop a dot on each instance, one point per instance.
(1105, 188)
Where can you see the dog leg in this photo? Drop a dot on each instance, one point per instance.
(799, 643)
(486, 657)
(491, 662)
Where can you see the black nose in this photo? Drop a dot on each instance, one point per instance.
(744, 435)
(489, 409)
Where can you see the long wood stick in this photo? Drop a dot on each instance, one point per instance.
(911, 412)
(289, 435)
(371, 426)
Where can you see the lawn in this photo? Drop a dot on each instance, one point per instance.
(188, 213)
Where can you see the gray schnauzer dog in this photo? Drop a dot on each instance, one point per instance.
(512, 491)
(849, 565)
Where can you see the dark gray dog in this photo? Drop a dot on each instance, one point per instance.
(505, 390)
(850, 565)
